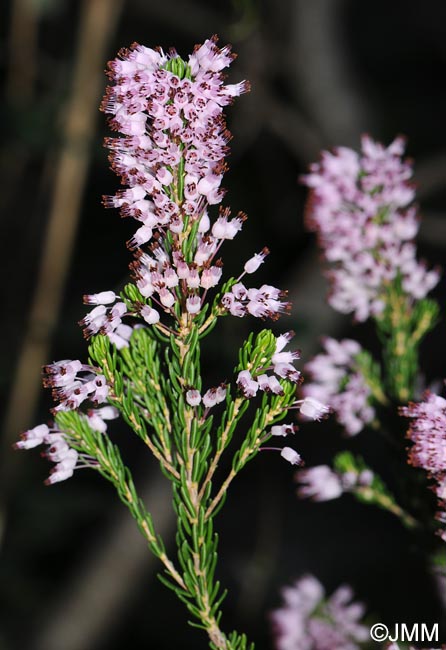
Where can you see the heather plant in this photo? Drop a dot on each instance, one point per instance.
(308, 620)
(145, 342)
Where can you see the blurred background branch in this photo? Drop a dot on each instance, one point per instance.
(88, 608)
(22, 51)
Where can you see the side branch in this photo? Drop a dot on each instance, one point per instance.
(222, 442)
(248, 451)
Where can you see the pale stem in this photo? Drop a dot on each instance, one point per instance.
(202, 595)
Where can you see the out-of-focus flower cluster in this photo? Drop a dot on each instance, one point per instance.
(310, 621)
(427, 431)
(360, 206)
(321, 483)
(337, 382)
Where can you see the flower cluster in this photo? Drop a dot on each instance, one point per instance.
(71, 388)
(265, 302)
(171, 116)
(58, 451)
(106, 318)
(73, 384)
(250, 381)
(321, 483)
(265, 376)
(337, 382)
(361, 208)
(308, 621)
(427, 431)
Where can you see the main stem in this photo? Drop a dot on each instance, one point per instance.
(201, 530)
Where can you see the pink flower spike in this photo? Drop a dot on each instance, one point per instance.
(360, 209)
(291, 456)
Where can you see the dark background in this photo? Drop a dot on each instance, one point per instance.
(74, 574)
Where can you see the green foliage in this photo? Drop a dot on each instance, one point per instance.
(401, 328)
(148, 382)
(371, 371)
